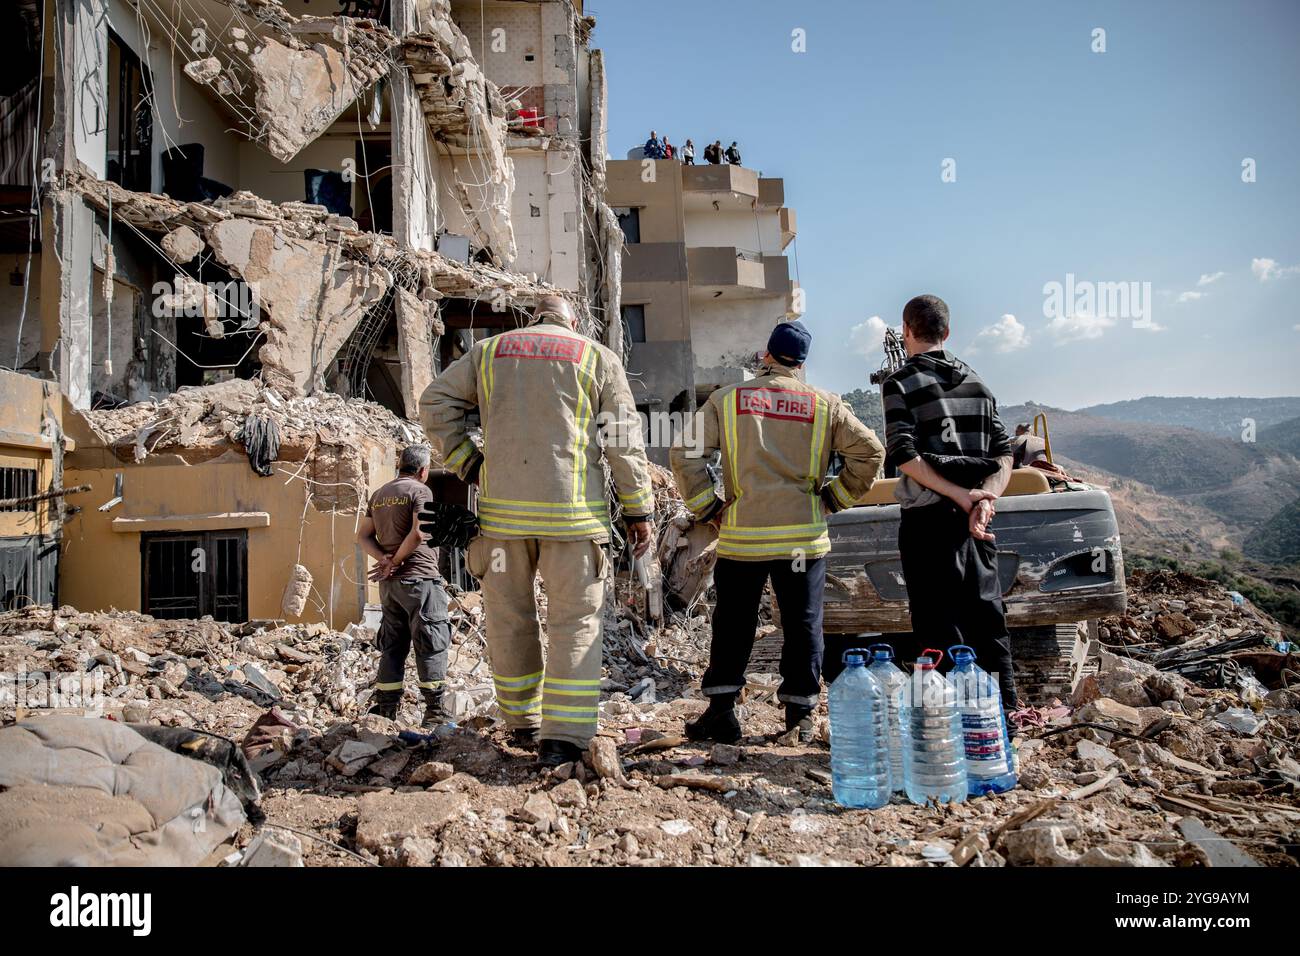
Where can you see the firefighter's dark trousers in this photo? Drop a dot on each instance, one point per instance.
(415, 612)
(953, 591)
(799, 595)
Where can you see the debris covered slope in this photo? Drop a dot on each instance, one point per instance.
(1143, 766)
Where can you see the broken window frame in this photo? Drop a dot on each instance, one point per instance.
(212, 598)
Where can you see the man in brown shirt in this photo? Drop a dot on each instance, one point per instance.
(410, 589)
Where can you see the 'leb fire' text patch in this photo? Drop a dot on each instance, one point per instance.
(776, 403)
(538, 345)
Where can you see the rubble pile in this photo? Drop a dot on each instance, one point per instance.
(1191, 774)
(323, 437)
(316, 274)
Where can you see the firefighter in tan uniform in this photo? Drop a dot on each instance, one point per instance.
(546, 396)
(776, 436)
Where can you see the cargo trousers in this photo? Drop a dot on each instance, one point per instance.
(556, 692)
(953, 591)
(415, 612)
(799, 594)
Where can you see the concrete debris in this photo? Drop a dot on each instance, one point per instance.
(464, 795)
(325, 437)
(273, 847)
(299, 93)
(313, 273)
(182, 244)
(296, 592)
(463, 107)
(203, 71)
(416, 341)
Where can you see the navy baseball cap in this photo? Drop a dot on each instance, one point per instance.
(789, 342)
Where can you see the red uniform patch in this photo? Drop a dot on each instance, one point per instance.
(777, 403)
(538, 345)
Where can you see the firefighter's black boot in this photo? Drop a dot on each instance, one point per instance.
(718, 723)
(385, 704)
(434, 713)
(800, 717)
(525, 738)
(553, 753)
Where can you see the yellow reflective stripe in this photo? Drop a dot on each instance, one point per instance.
(431, 684)
(502, 531)
(591, 711)
(777, 531)
(582, 419)
(729, 432)
(543, 508)
(528, 680)
(563, 526)
(570, 693)
(381, 685)
(815, 458)
(841, 493)
(637, 500)
(521, 706)
(569, 720)
(573, 681)
(704, 498)
(460, 454)
(541, 519)
(811, 549)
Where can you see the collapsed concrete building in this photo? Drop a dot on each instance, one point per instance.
(241, 232)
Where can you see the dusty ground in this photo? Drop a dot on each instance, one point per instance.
(351, 790)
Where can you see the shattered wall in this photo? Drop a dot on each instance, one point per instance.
(184, 467)
(315, 297)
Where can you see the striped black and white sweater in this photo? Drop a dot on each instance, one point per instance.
(937, 404)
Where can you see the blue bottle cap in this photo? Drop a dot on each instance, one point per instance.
(961, 653)
(855, 657)
(881, 652)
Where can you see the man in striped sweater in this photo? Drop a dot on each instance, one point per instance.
(944, 437)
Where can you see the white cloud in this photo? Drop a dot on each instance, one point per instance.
(1007, 334)
(1076, 328)
(867, 339)
(1210, 277)
(1190, 296)
(1268, 269)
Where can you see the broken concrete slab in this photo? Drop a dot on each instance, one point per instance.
(299, 93)
(385, 819)
(313, 298)
(182, 244)
(415, 348)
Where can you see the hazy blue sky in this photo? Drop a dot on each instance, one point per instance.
(1117, 166)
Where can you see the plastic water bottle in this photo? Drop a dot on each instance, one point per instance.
(934, 754)
(859, 736)
(989, 766)
(883, 668)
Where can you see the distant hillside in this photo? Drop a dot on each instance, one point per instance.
(1277, 539)
(1243, 483)
(866, 406)
(1155, 524)
(1218, 416)
(1284, 436)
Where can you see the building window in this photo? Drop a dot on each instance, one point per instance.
(188, 575)
(130, 120)
(17, 483)
(629, 219)
(634, 320)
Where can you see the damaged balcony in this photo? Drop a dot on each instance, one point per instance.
(722, 188)
(726, 272)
